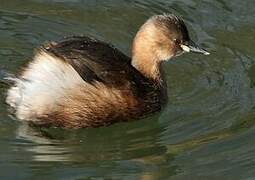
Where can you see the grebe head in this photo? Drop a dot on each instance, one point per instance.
(159, 39)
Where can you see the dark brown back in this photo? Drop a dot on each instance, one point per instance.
(95, 60)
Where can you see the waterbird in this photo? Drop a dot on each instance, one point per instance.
(83, 82)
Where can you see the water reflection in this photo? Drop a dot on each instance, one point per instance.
(143, 150)
(67, 143)
(130, 148)
(40, 147)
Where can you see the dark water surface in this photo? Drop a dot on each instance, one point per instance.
(206, 131)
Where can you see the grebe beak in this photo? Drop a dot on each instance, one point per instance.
(192, 47)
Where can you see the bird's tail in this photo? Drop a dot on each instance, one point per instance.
(7, 78)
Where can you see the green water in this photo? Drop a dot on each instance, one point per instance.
(207, 129)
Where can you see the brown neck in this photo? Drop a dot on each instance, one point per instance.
(147, 54)
(152, 70)
(148, 67)
(144, 57)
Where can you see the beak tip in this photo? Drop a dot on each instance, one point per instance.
(195, 48)
(207, 53)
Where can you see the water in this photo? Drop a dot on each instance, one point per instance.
(205, 132)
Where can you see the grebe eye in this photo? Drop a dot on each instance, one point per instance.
(176, 41)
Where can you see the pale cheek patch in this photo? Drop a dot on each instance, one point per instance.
(185, 48)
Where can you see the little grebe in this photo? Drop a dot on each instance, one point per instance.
(83, 82)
